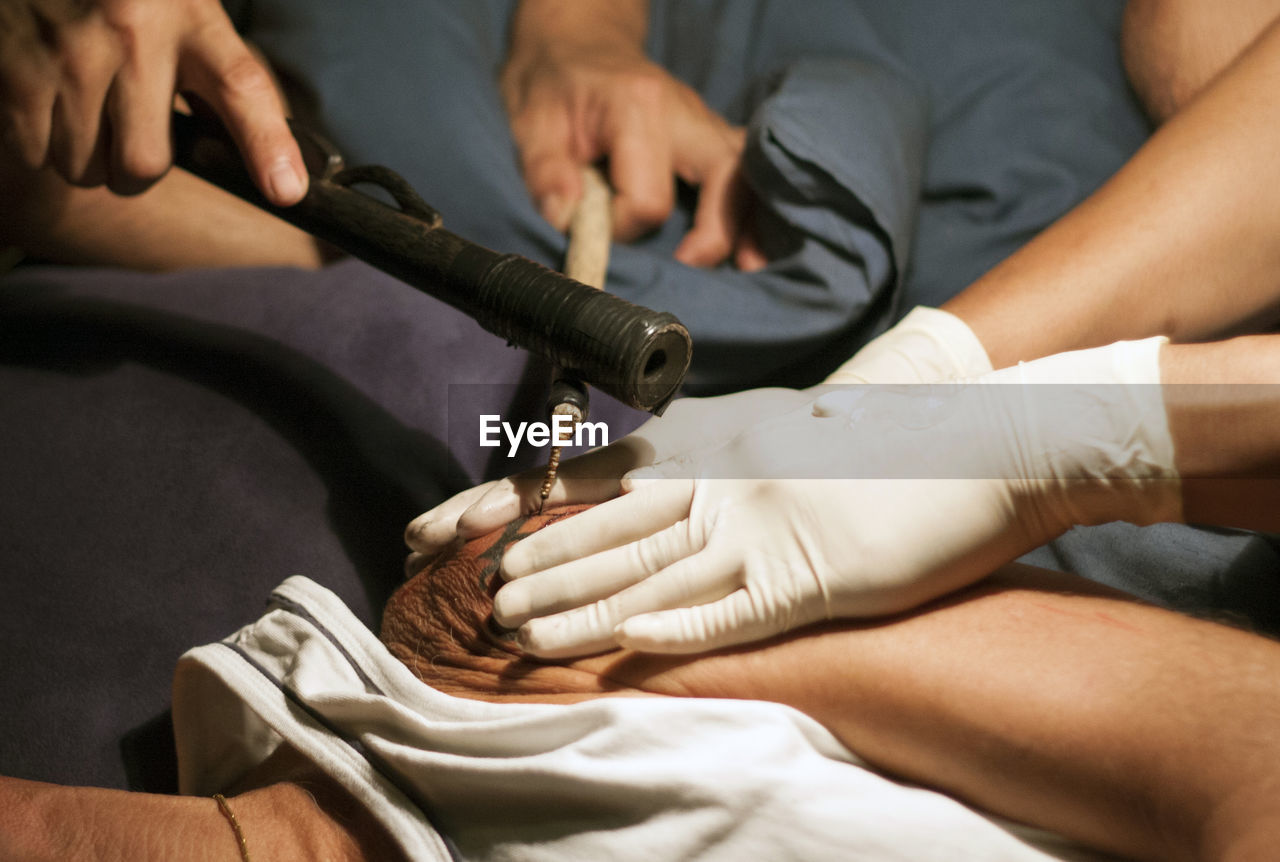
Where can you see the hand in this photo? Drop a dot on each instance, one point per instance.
(929, 345)
(575, 101)
(689, 424)
(875, 501)
(87, 87)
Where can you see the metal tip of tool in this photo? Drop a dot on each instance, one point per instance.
(549, 480)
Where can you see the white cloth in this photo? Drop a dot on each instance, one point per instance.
(612, 778)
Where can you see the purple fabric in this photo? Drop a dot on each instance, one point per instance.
(174, 445)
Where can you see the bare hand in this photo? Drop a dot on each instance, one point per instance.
(573, 104)
(87, 87)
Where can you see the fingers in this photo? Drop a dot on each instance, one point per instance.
(703, 577)
(609, 525)
(139, 106)
(589, 478)
(28, 78)
(436, 528)
(551, 173)
(218, 67)
(78, 141)
(92, 96)
(749, 256)
(735, 619)
(640, 165)
(650, 127)
(415, 562)
(716, 223)
(28, 125)
(586, 580)
(713, 163)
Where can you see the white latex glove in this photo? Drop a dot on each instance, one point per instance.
(889, 497)
(929, 345)
(689, 424)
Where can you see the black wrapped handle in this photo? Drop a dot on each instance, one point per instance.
(637, 355)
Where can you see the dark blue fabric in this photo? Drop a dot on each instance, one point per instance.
(1025, 108)
(429, 108)
(1029, 113)
(175, 444)
(1228, 575)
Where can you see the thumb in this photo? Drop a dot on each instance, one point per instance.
(683, 466)
(735, 619)
(843, 401)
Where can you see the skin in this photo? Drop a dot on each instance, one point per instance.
(87, 87)
(746, 537)
(1215, 809)
(579, 88)
(1180, 241)
(1173, 48)
(1054, 702)
(179, 222)
(1129, 728)
(1194, 259)
(288, 810)
(152, 231)
(576, 84)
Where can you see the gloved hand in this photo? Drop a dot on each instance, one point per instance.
(689, 424)
(929, 345)
(88, 86)
(878, 499)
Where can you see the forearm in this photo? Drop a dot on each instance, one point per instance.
(1179, 242)
(1124, 726)
(1173, 48)
(181, 222)
(1224, 418)
(41, 821)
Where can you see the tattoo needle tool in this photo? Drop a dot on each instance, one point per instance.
(586, 261)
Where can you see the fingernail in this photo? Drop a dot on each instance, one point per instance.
(286, 185)
(638, 478)
(508, 609)
(522, 638)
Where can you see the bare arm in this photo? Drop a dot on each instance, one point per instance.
(1180, 242)
(293, 812)
(1127, 727)
(1226, 435)
(180, 222)
(1173, 48)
